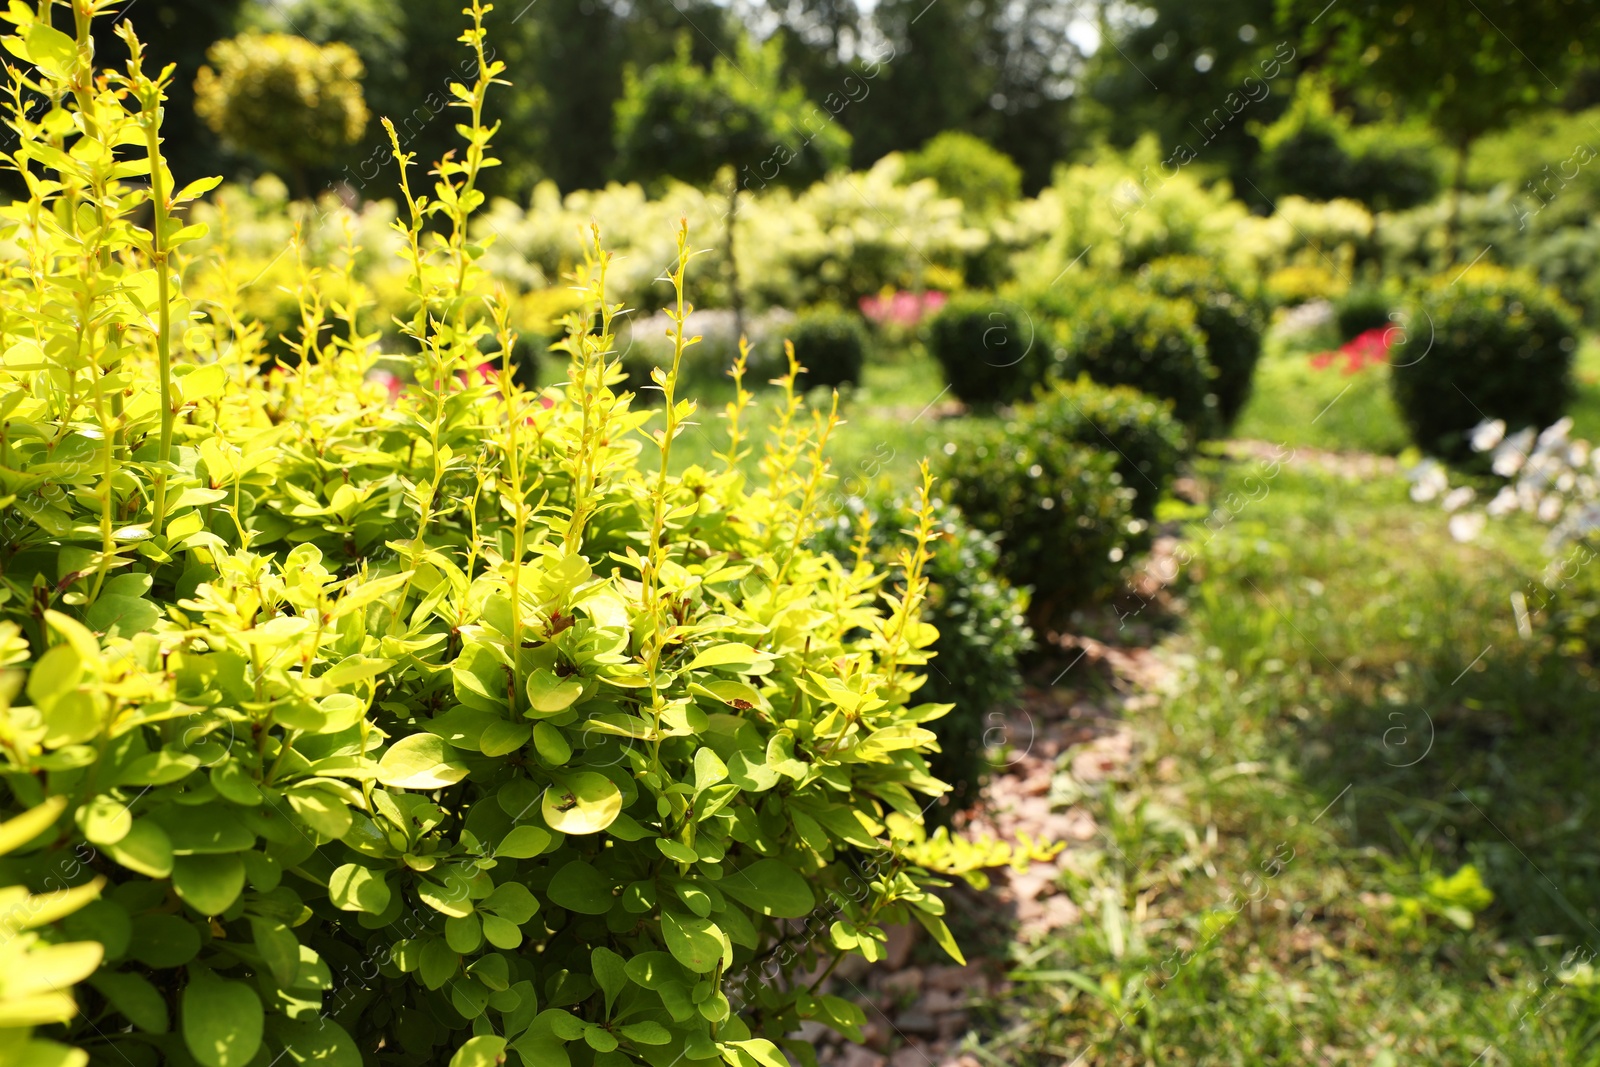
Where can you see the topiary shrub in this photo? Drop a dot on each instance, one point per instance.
(1126, 336)
(1059, 509)
(290, 101)
(1138, 430)
(1501, 348)
(989, 347)
(968, 168)
(1227, 317)
(1361, 309)
(831, 344)
(982, 624)
(454, 729)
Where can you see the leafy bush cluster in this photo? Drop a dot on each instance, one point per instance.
(983, 178)
(1501, 348)
(1059, 508)
(1126, 336)
(455, 727)
(292, 102)
(982, 624)
(1138, 430)
(1227, 317)
(989, 348)
(831, 344)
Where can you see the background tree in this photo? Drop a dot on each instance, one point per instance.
(734, 123)
(1169, 66)
(1467, 66)
(177, 32)
(288, 100)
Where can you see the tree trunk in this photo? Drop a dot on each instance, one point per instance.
(734, 296)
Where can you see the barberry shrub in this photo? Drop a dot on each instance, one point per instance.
(457, 728)
(1489, 345)
(982, 622)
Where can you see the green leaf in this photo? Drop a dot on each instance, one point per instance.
(732, 655)
(420, 761)
(356, 888)
(511, 900)
(52, 50)
(941, 934)
(129, 615)
(206, 830)
(771, 887)
(104, 820)
(549, 693)
(279, 948)
(222, 1021)
(144, 850)
(208, 884)
(646, 1033)
(524, 842)
(708, 770)
(484, 1051)
(609, 975)
(439, 963)
(138, 1001)
(552, 744)
(759, 1051)
(317, 1042)
(676, 851)
(579, 887)
(501, 737)
(501, 933)
(464, 934)
(699, 944)
(582, 803)
(163, 942)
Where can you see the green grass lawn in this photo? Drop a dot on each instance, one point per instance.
(1355, 714)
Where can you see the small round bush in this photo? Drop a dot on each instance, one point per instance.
(1499, 346)
(831, 344)
(1361, 309)
(989, 347)
(1059, 508)
(982, 624)
(1126, 336)
(1138, 430)
(1227, 317)
(968, 168)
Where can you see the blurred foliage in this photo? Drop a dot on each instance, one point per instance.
(283, 98)
(831, 344)
(967, 168)
(1314, 150)
(1228, 317)
(1501, 348)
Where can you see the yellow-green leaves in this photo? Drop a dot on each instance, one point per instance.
(355, 888)
(697, 943)
(582, 803)
(20, 830)
(420, 761)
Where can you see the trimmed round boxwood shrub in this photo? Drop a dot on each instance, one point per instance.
(1137, 429)
(1228, 319)
(1127, 336)
(982, 624)
(1501, 347)
(1361, 309)
(831, 344)
(991, 348)
(1059, 508)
